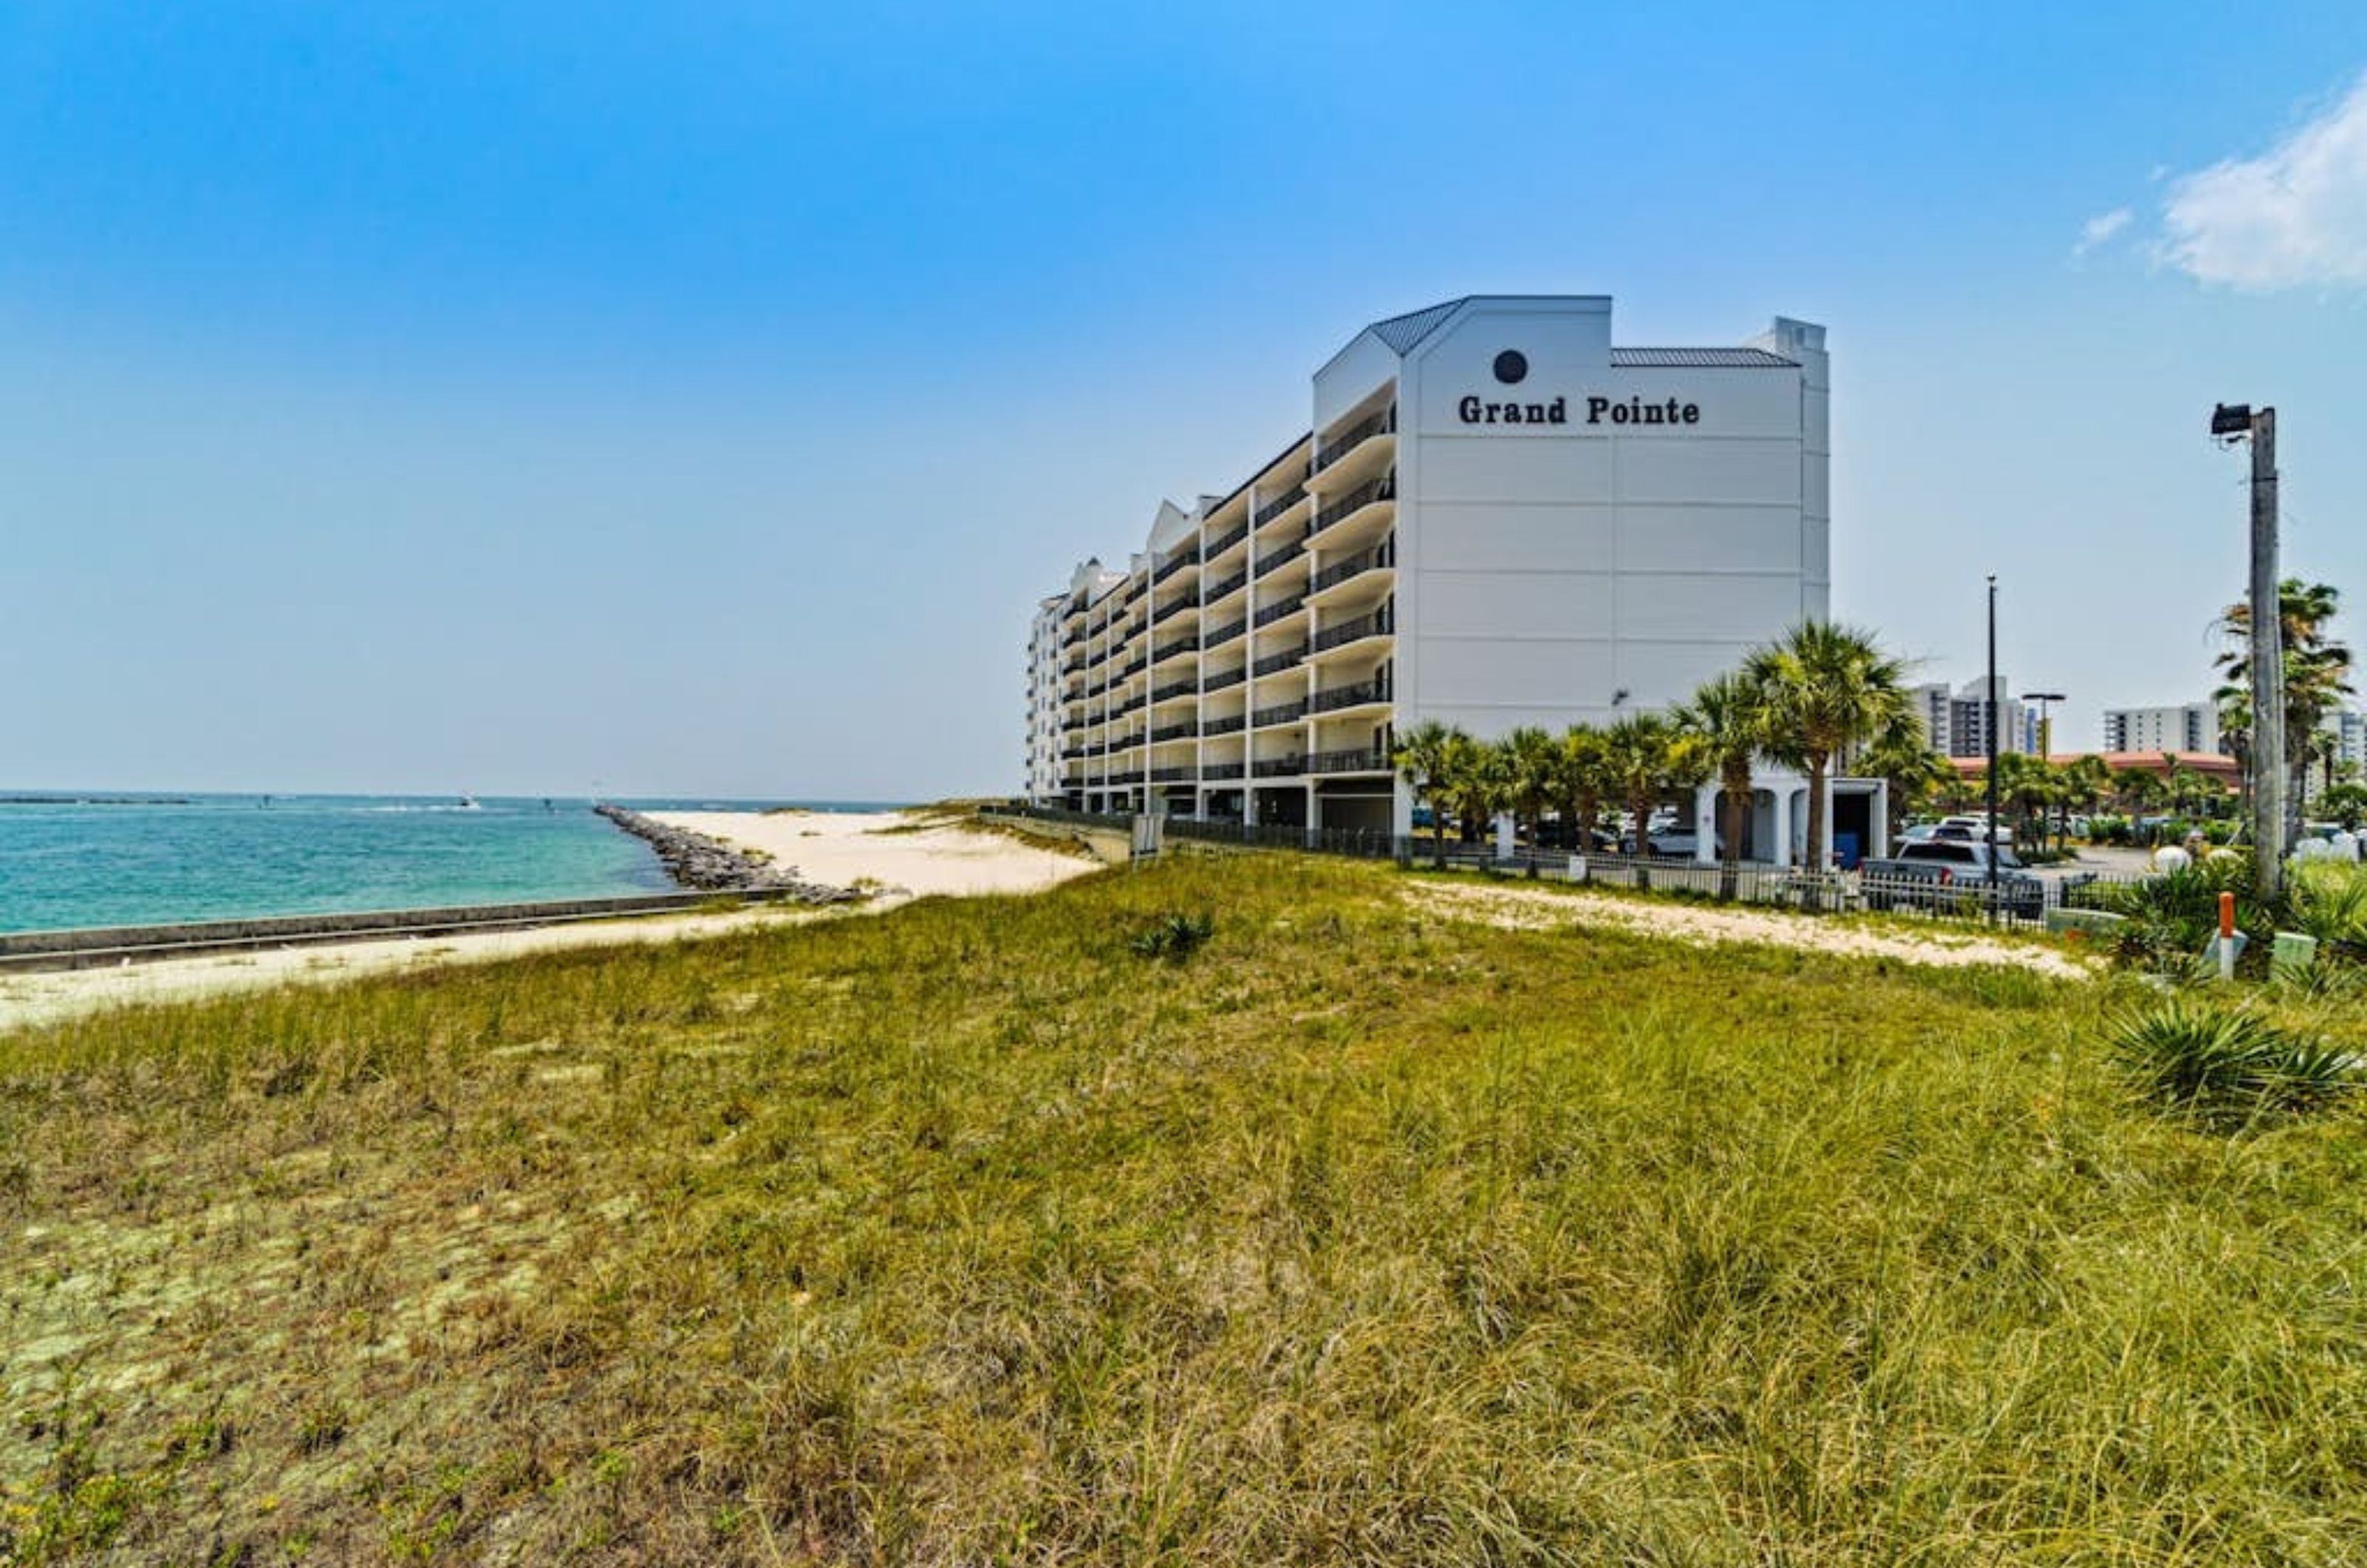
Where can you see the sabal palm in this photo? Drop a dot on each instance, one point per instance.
(1531, 763)
(1478, 783)
(1423, 755)
(1647, 756)
(1904, 757)
(1828, 687)
(1728, 720)
(1581, 779)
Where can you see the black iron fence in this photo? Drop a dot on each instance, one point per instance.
(2025, 903)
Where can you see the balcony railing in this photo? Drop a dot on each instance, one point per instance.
(1217, 727)
(1173, 689)
(1355, 694)
(1171, 732)
(1226, 540)
(1380, 554)
(1281, 713)
(1348, 440)
(1142, 662)
(1382, 488)
(1132, 777)
(1283, 661)
(1181, 602)
(1180, 645)
(1125, 708)
(1129, 744)
(1220, 682)
(1378, 623)
(1281, 555)
(1220, 770)
(1223, 635)
(1269, 613)
(1279, 504)
(1278, 767)
(1173, 775)
(1228, 586)
(1188, 556)
(1366, 760)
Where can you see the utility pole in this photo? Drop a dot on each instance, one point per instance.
(1990, 693)
(2268, 658)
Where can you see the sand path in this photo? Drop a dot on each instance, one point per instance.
(1533, 909)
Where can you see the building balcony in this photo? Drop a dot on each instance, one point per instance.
(1362, 760)
(1274, 663)
(1166, 651)
(1184, 774)
(1167, 732)
(1381, 622)
(1279, 713)
(1224, 590)
(1278, 768)
(1172, 689)
(1233, 725)
(1226, 541)
(1289, 606)
(1381, 421)
(1279, 504)
(1281, 556)
(1355, 694)
(1358, 504)
(1216, 638)
(1229, 678)
(1182, 603)
(1175, 562)
(1231, 770)
(1381, 557)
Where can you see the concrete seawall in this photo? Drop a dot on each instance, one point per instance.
(91, 947)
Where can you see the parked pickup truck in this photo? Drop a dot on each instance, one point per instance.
(1941, 872)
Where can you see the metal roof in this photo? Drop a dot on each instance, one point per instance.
(1699, 359)
(1402, 332)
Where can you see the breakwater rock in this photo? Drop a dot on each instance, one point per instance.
(694, 860)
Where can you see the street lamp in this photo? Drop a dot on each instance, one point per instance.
(2241, 422)
(2045, 725)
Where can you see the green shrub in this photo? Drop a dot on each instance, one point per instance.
(2227, 1066)
(1173, 936)
(2328, 900)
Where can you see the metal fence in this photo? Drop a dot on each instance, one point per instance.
(2024, 900)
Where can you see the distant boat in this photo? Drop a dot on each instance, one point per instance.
(469, 802)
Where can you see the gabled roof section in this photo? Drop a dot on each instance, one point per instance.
(1402, 332)
(1699, 359)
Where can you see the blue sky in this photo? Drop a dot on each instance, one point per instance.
(507, 396)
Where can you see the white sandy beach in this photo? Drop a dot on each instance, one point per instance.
(927, 856)
(917, 854)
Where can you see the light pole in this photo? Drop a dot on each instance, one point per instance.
(2045, 725)
(2231, 423)
(1991, 692)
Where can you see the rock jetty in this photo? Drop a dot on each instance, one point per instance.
(695, 861)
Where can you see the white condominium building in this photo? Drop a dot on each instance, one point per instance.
(2193, 726)
(1497, 518)
(1957, 723)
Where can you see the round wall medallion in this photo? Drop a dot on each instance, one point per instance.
(1511, 366)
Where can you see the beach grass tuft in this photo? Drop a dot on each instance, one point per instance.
(962, 1234)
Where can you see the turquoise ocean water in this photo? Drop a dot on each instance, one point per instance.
(65, 862)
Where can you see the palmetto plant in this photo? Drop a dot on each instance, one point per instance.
(1903, 757)
(2227, 1066)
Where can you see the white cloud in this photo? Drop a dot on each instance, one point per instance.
(2296, 215)
(2101, 228)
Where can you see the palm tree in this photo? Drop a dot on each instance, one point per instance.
(1728, 720)
(2316, 672)
(1903, 757)
(1581, 782)
(1422, 757)
(2026, 784)
(1532, 763)
(1828, 687)
(1476, 782)
(2086, 780)
(1649, 757)
(2135, 789)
